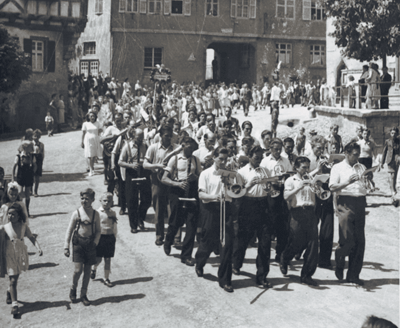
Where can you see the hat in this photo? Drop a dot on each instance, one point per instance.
(313, 132)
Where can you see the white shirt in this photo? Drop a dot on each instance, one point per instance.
(341, 172)
(178, 167)
(200, 134)
(275, 93)
(202, 153)
(247, 173)
(210, 183)
(273, 165)
(304, 197)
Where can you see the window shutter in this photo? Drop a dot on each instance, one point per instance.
(100, 6)
(142, 6)
(233, 8)
(253, 6)
(28, 51)
(306, 9)
(123, 5)
(167, 7)
(51, 56)
(187, 7)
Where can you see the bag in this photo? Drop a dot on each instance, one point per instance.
(78, 239)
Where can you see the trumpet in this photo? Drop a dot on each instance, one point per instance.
(325, 161)
(267, 182)
(315, 187)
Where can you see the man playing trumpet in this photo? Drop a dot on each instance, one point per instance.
(182, 174)
(212, 189)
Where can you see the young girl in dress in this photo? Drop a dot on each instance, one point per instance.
(38, 154)
(16, 253)
(10, 197)
(84, 230)
(49, 120)
(106, 246)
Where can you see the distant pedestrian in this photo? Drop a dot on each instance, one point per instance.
(84, 231)
(91, 140)
(386, 80)
(16, 253)
(49, 124)
(38, 153)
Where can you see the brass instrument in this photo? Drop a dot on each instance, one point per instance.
(109, 142)
(316, 187)
(268, 183)
(160, 172)
(333, 159)
(364, 176)
(186, 199)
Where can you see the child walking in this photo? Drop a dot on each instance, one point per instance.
(84, 231)
(9, 198)
(38, 154)
(16, 257)
(106, 246)
(49, 120)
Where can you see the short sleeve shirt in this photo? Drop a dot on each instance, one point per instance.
(341, 172)
(276, 166)
(178, 167)
(247, 173)
(304, 197)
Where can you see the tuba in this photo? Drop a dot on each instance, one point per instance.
(314, 187)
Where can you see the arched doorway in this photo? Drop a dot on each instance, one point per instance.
(31, 111)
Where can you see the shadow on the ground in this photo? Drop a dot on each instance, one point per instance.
(377, 266)
(42, 265)
(47, 214)
(210, 277)
(63, 177)
(373, 284)
(379, 205)
(41, 305)
(132, 281)
(117, 299)
(57, 194)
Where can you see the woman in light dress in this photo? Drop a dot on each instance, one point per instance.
(373, 90)
(91, 141)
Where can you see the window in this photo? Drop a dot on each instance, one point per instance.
(89, 67)
(245, 56)
(243, 8)
(129, 6)
(285, 9)
(212, 7)
(283, 53)
(37, 56)
(98, 7)
(152, 57)
(317, 11)
(317, 55)
(155, 6)
(89, 48)
(123, 5)
(179, 7)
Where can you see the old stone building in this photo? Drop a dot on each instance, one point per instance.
(47, 32)
(126, 38)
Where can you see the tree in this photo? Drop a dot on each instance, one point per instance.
(366, 29)
(13, 65)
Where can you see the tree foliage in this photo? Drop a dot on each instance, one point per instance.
(366, 29)
(13, 65)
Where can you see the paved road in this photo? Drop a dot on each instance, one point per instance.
(153, 290)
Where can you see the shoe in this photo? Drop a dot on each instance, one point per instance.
(283, 267)
(87, 170)
(199, 272)
(236, 272)
(72, 295)
(308, 281)
(325, 266)
(35, 195)
(93, 274)
(178, 244)
(108, 283)
(85, 300)
(121, 211)
(265, 283)
(133, 230)
(189, 261)
(167, 249)
(91, 173)
(8, 298)
(15, 310)
(141, 226)
(339, 273)
(356, 281)
(159, 242)
(227, 288)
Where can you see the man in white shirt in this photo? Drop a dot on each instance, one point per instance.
(351, 201)
(275, 95)
(204, 154)
(210, 187)
(210, 127)
(258, 222)
(276, 166)
(303, 223)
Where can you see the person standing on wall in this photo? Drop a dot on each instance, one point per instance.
(386, 80)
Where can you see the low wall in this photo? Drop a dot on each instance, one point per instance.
(379, 121)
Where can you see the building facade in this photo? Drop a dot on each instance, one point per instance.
(47, 32)
(249, 38)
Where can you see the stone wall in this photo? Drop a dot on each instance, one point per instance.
(378, 121)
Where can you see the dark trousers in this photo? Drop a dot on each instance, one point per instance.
(351, 214)
(182, 213)
(121, 188)
(384, 100)
(280, 218)
(159, 193)
(303, 235)
(324, 212)
(210, 240)
(246, 105)
(137, 213)
(253, 219)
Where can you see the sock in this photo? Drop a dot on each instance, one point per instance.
(15, 303)
(106, 274)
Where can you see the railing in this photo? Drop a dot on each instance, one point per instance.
(354, 96)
